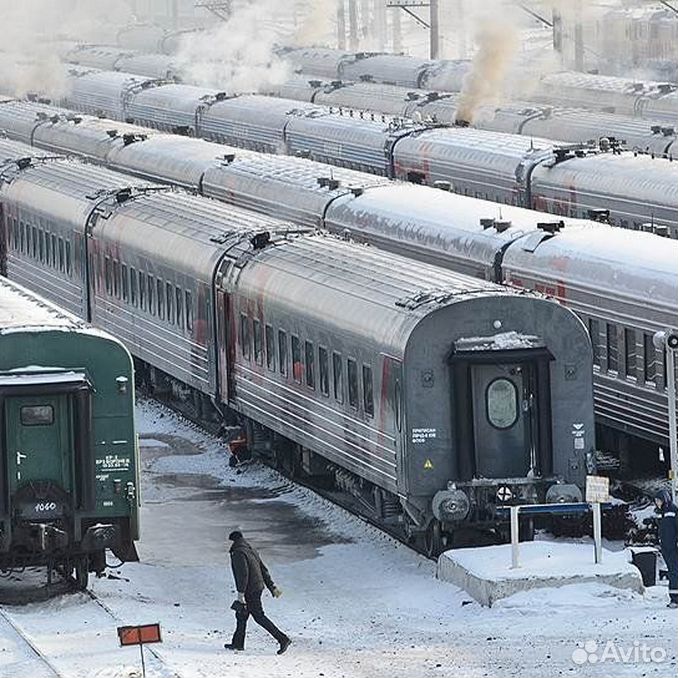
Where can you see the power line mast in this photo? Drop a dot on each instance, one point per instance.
(222, 10)
(432, 25)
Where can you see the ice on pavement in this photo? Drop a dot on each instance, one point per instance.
(356, 603)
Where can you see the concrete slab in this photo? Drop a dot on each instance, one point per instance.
(485, 572)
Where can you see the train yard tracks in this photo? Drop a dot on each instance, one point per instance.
(32, 640)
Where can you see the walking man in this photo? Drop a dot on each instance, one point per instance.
(251, 576)
(668, 541)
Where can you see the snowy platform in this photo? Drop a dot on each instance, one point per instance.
(485, 572)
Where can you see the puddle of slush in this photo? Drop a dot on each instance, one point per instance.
(187, 517)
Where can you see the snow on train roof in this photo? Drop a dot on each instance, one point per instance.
(22, 310)
(613, 261)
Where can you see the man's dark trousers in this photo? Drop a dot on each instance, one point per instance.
(254, 608)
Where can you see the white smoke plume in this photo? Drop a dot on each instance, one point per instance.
(486, 82)
(238, 55)
(33, 32)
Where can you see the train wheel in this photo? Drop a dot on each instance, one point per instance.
(81, 573)
(434, 541)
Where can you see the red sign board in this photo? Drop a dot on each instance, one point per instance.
(139, 635)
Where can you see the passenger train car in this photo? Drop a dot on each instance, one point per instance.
(467, 235)
(431, 395)
(654, 100)
(527, 118)
(68, 453)
(522, 171)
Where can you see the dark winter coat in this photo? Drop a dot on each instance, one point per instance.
(668, 525)
(249, 572)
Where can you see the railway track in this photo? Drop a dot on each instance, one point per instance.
(12, 628)
(28, 629)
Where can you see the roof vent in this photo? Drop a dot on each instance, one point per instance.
(229, 157)
(23, 163)
(303, 153)
(600, 215)
(668, 131)
(260, 240)
(433, 96)
(502, 226)
(666, 88)
(656, 129)
(112, 133)
(54, 119)
(551, 226)
(357, 191)
(123, 195)
(443, 185)
(661, 230)
(128, 139)
(183, 130)
(487, 223)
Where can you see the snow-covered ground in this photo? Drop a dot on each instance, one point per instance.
(356, 603)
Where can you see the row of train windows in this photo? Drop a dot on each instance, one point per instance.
(148, 293)
(260, 343)
(41, 245)
(648, 368)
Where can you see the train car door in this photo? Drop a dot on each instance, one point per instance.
(38, 440)
(504, 405)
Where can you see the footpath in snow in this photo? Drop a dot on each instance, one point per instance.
(356, 603)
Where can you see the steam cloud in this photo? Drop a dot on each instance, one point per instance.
(484, 84)
(31, 35)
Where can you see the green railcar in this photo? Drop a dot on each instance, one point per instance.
(69, 454)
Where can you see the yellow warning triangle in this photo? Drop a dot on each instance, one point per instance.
(428, 464)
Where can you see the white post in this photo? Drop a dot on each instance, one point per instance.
(597, 532)
(673, 444)
(668, 342)
(515, 538)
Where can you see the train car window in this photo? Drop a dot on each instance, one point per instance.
(270, 348)
(245, 338)
(178, 296)
(169, 296)
(282, 351)
(612, 348)
(160, 298)
(125, 283)
(134, 297)
(649, 358)
(324, 370)
(48, 249)
(594, 333)
(41, 245)
(630, 352)
(352, 383)
(297, 365)
(54, 251)
(22, 237)
(116, 278)
(338, 373)
(189, 311)
(61, 254)
(93, 272)
(258, 343)
(368, 391)
(69, 264)
(501, 401)
(310, 365)
(151, 294)
(34, 242)
(398, 406)
(107, 275)
(142, 291)
(37, 415)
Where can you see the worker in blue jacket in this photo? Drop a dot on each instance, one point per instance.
(668, 540)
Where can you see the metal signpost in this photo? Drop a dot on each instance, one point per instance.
(668, 341)
(139, 635)
(597, 493)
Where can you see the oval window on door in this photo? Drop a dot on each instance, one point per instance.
(502, 403)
